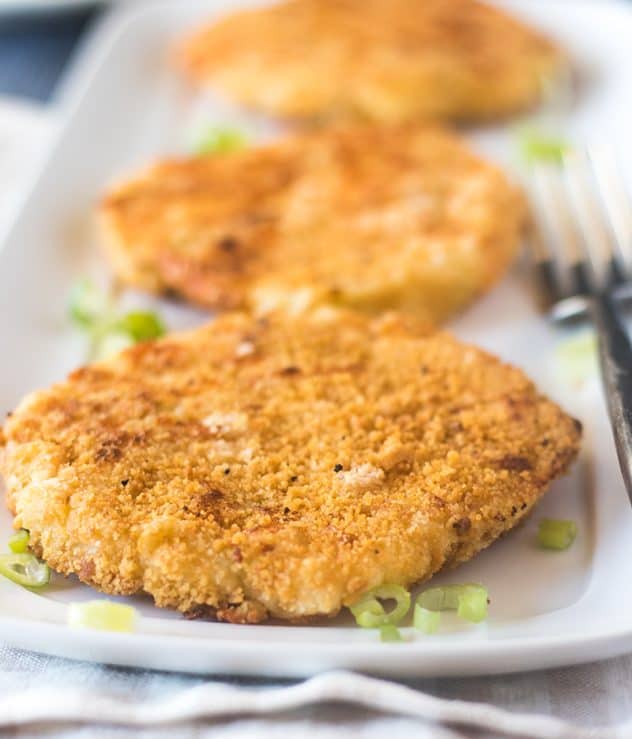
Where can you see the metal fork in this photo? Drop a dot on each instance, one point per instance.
(581, 245)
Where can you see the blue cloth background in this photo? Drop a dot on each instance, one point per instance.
(34, 50)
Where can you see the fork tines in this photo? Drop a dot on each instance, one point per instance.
(581, 239)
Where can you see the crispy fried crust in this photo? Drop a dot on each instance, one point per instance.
(384, 60)
(280, 467)
(368, 217)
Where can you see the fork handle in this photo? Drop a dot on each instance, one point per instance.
(615, 358)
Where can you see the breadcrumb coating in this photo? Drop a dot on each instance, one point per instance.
(367, 217)
(382, 60)
(342, 453)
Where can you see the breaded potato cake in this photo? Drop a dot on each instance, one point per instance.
(382, 60)
(280, 466)
(361, 216)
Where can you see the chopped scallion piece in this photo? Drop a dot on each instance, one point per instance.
(390, 632)
(88, 305)
(221, 141)
(111, 344)
(556, 534)
(473, 604)
(469, 601)
(369, 612)
(577, 357)
(94, 312)
(425, 620)
(19, 542)
(537, 146)
(142, 325)
(102, 614)
(25, 569)
(445, 598)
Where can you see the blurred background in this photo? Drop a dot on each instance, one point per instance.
(35, 44)
(37, 40)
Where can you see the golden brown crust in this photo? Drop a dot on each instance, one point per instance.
(368, 217)
(385, 60)
(336, 454)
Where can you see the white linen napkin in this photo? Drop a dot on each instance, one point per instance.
(214, 700)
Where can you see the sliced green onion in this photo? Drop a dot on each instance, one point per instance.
(556, 534)
(577, 357)
(369, 612)
(93, 311)
(103, 615)
(88, 305)
(473, 604)
(444, 598)
(537, 146)
(390, 632)
(19, 542)
(469, 601)
(142, 325)
(111, 344)
(426, 620)
(25, 569)
(217, 140)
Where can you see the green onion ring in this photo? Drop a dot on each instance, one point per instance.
(390, 633)
(142, 325)
(369, 612)
(19, 542)
(556, 533)
(426, 620)
(469, 601)
(103, 615)
(25, 569)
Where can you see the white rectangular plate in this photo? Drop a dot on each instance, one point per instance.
(125, 105)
